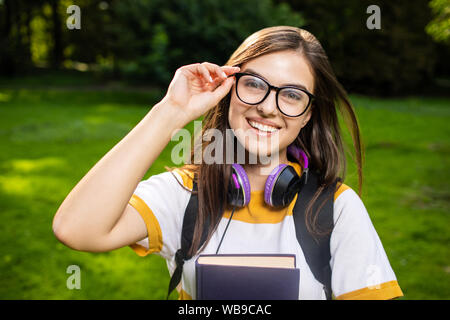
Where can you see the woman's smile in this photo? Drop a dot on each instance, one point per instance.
(262, 127)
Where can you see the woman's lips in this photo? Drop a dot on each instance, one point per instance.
(261, 129)
(264, 122)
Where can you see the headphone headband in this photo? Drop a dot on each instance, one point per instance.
(296, 152)
(280, 184)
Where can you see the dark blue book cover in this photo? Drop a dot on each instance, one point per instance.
(225, 282)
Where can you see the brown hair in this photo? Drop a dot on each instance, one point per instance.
(320, 138)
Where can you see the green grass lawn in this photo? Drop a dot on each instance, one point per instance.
(50, 138)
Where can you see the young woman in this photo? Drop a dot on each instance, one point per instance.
(276, 90)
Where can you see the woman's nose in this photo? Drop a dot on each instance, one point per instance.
(269, 104)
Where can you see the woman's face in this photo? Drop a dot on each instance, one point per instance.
(278, 69)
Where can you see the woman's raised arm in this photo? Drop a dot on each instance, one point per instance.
(95, 216)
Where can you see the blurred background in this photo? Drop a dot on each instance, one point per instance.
(68, 95)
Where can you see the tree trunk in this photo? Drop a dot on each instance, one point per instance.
(57, 56)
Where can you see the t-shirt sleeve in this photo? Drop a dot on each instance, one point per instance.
(360, 267)
(161, 202)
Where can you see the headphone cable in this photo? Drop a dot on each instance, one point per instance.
(226, 228)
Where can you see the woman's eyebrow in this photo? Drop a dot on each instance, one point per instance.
(299, 85)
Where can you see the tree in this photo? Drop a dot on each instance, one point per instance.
(151, 39)
(15, 35)
(57, 49)
(439, 27)
(399, 58)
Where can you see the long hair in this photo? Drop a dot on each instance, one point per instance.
(320, 138)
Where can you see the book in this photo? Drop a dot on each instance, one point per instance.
(247, 277)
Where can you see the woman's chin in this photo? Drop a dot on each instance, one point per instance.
(257, 149)
(261, 154)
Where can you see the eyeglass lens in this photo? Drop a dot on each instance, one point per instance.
(291, 101)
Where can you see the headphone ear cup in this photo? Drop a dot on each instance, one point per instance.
(239, 187)
(281, 186)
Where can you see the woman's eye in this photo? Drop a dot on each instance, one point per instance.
(254, 84)
(292, 95)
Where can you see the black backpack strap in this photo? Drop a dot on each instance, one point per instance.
(187, 234)
(316, 250)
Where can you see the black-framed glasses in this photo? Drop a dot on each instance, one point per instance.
(291, 101)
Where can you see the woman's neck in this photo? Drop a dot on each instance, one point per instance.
(258, 173)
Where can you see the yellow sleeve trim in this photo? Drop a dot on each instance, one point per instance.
(384, 291)
(155, 241)
(388, 290)
(187, 177)
(184, 295)
(341, 189)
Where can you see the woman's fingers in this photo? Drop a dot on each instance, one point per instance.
(210, 72)
(214, 69)
(205, 73)
(222, 81)
(230, 70)
(202, 86)
(218, 73)
(220, 92)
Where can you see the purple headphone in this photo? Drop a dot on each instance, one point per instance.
(281, 185)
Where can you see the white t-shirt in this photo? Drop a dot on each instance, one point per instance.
(360, 267)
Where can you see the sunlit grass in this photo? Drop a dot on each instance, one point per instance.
(4, 97)
(51, 138)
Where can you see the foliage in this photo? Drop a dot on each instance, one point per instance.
(399, 58)
(439, 27)
(145, 41)
(154, 38)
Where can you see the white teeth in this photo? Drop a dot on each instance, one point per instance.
(262, 127)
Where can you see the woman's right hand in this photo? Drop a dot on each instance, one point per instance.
(196, 88)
